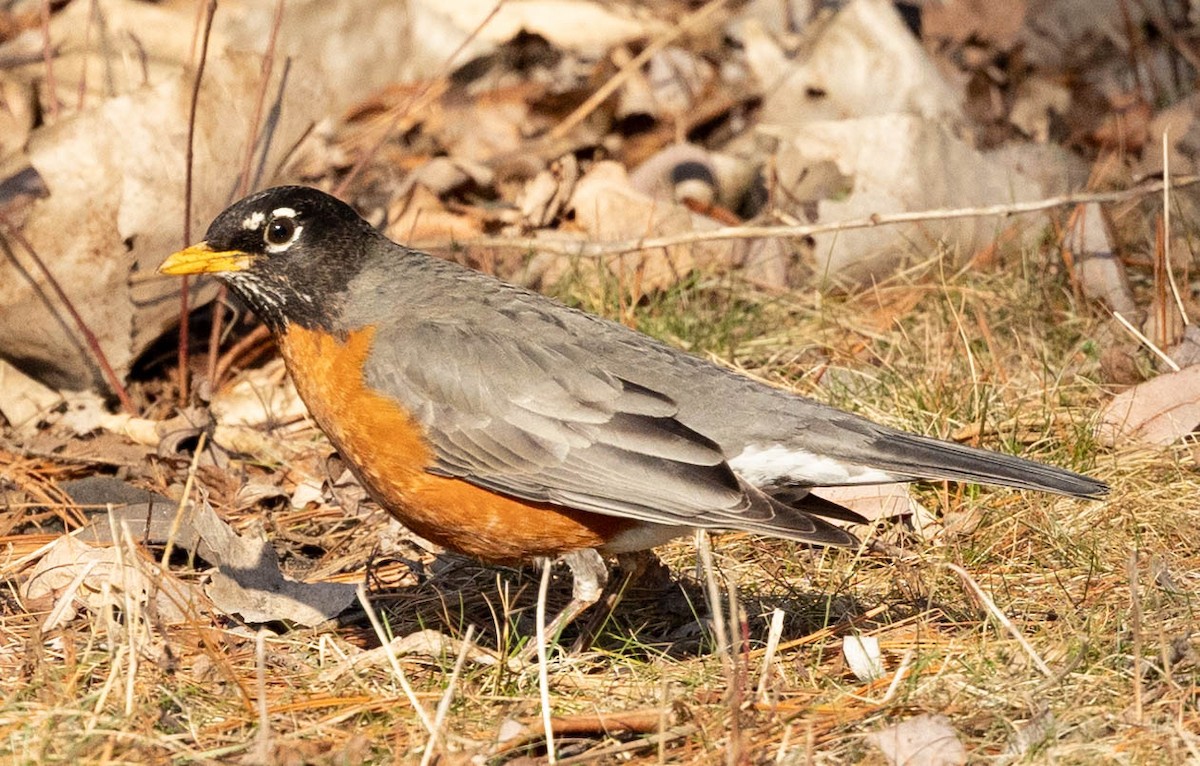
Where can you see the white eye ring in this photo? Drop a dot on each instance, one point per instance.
(281, 230)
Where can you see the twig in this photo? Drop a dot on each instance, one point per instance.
(600, 249)
(602, 93)
(543, 671)
(177, 521)
(210, 10)
(268, 64)
(66, 597)
(92, 13)
(1135, 625)
(118, 659)
(642, 721)
(234, 352)
(830, 630)
(670, 735)
(132, 612)
(782, 750)
(439, 718)
(93, 343)
(773, 634)
(1001, 618)
(704, 549)
(262, 744)
(735, 752)
(1146, 341)
(48, 61)
(243, 186)
(393, 660)
(901, 673)
(362, 162)
(893, 685)
(1167, 232)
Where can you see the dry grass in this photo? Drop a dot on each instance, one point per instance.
(1102, 592)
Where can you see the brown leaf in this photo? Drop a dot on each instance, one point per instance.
(924, 740)
(1160, 411)
(874, 501)
(961, 21)
(73, 573)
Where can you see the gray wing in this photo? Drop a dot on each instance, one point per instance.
(541, 422)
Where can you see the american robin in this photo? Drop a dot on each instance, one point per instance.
(499, 423)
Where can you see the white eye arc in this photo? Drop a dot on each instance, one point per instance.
(281, 230)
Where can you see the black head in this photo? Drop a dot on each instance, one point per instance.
(289, 252)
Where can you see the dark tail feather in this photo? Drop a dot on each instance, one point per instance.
(796, 523)
(921, 457)
(801, 499)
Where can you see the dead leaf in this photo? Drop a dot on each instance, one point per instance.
(23, 399)
(1030, 734)
(1182, 130)
(900, 162)
(608, 208)
(543, 198)
(428, 643)
(1160, 411)
(680, 171)
(113, 167)
(421, 217)
(471, 28)
(73, 573)
(248, 581)
(1098, 270)
(259, 397)
(873, 501)
(924, 740)
(1038, 101)
(1186, 352)
(840, 76)
(980, 21)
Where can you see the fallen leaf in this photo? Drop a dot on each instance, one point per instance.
(608, 207)
(873, 501)
(75, 574)
(1160, 411)
(1098, 271)
(420, 216)
(964, 21)
(839, 77)
(1030, 734)
(924, 740)
(113, 167)
(428, 643)
(901, 162)
(248, 581)
(23, 399)
(471, 28)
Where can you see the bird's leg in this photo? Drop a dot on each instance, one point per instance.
(590, 575)
(633, 566)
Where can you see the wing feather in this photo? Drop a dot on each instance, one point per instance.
(541, 422)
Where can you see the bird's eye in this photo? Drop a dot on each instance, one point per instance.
(281, 231)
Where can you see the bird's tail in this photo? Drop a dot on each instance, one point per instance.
(921, 457)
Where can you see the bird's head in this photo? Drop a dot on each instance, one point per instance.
(288, 252)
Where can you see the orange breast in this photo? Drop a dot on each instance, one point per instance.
(389, 454)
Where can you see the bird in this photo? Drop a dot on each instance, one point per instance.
(502, 424)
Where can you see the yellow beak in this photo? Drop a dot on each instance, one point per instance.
(202, 259)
